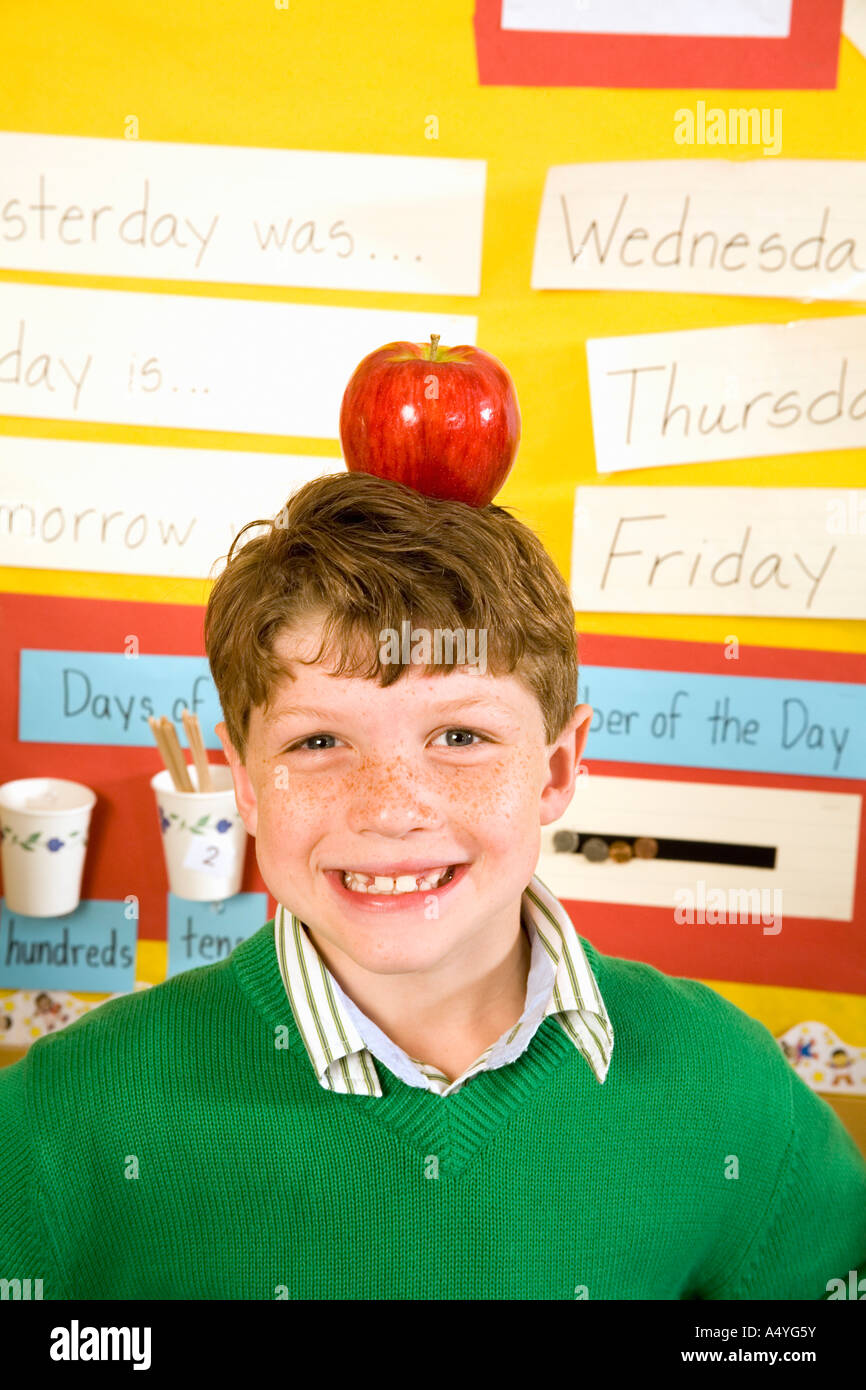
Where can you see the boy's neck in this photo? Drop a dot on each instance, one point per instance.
(451, 1053)
(451, 1039)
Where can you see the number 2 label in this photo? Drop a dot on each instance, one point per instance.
(209, 856)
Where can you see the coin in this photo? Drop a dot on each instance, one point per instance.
(646, 848)
(595, 849)
(620, 851)
(565, 840)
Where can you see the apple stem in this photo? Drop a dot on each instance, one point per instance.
(434, 345)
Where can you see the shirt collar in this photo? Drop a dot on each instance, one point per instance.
(340, 1039)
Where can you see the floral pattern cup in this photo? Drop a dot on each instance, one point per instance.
(203, 837)
(44, 825)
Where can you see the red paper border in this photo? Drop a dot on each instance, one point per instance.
(809, 952)
(807, 60)
(126, 852)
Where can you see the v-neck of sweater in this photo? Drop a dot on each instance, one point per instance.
(453, 1127)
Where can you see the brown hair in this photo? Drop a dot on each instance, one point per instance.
(368, 553)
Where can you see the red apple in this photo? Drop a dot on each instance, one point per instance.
(443, 420)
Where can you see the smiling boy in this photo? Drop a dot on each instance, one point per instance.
(437, 1089)
(376, 788)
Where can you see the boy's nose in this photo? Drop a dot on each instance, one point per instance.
(392, 797)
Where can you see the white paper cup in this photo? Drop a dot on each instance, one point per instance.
(203, 836)
(45, 823)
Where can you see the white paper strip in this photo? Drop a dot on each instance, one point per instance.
(192, 362)
(854, 23)
(793, 228)
(148, 208)
(815, 835)
(740, 392)
(764, 19)
(137, 509)
(777, 552)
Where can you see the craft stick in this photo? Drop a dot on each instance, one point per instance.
(156, 730)
(199, 755)
(173, 762)
(177, 754)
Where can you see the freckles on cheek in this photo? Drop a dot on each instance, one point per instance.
(306, 803)
(503, 794)
(499, 795)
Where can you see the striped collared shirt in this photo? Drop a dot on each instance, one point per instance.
(341, 1041)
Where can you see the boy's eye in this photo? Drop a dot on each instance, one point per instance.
(314, 738)
(470, 733)
(304, 741)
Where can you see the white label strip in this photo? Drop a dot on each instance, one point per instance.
(135, 508)
(717, 393)
(758, 19)
(192, 362)
(793, 228)
(815, 834)
(775, 552)
(156, 209)
(854, 23)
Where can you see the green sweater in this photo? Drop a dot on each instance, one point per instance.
(171, 1145)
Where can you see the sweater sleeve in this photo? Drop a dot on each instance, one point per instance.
(26, 1245)
(813, 1234)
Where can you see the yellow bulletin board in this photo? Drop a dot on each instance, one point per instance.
(354, 77)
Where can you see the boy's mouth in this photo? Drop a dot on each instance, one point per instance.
(359, 882)
(392, 890)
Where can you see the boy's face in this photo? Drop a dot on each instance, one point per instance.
(393, 779)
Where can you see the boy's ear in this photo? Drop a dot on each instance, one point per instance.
(564, 758)
(244, 794)
(582, 718)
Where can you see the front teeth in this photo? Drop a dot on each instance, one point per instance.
(406, 883)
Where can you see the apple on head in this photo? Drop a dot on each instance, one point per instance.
(442, 420)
